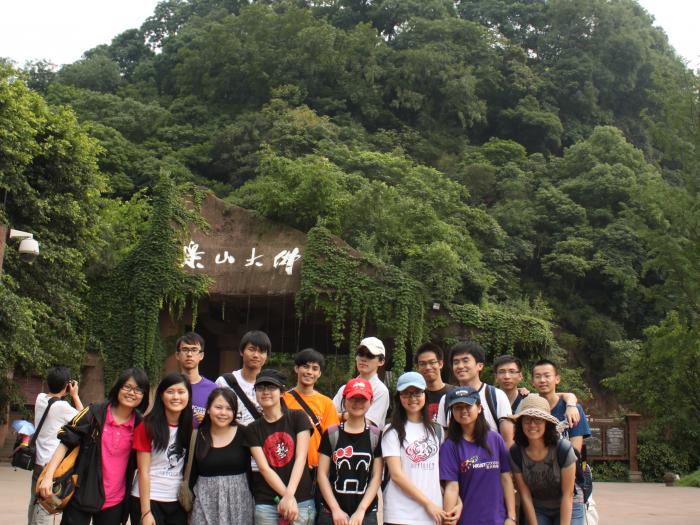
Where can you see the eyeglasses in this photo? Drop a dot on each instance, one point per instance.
(266, 387)
(132, 390)
(426, 364)
(190, 351)
(409, 395)
(365, 354)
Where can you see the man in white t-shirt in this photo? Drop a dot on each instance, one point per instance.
(254, 348)
(61, 413)
(467, 360)
(369, 357)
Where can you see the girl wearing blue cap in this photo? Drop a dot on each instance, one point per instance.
(474, 464)
(410, 447)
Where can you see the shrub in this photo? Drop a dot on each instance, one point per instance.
(610, 471)
(656, 457)
(691, 480)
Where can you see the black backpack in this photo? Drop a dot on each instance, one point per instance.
(584, 477)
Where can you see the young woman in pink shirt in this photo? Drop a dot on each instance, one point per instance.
(106, 462)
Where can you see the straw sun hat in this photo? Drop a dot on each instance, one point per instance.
(535, 406)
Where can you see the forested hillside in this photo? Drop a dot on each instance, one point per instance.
(533, 156)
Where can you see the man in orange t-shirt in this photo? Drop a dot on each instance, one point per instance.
(308, 365)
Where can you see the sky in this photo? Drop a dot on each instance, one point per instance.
(61, 30)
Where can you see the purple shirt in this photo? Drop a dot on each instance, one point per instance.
(200, 394)
(478, 473)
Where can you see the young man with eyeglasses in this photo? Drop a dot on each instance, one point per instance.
(508, 370)
(254, 348)
(429, 360)
(369, 357)
(189, 352)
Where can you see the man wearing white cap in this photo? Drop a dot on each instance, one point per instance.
(369, 357)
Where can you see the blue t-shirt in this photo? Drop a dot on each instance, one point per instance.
(582, 429)
(200, 394)
(478, 473)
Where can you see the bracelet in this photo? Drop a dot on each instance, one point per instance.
(571, 405)
(146, 513)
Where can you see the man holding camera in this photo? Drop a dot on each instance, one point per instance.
(59, 413)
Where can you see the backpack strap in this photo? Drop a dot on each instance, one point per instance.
(233, 383)
(563, 447)
(307, 409)
(35, 436)
(333, 433)
(492, 402)
(374, 435)
(438, 432)
(516, 454)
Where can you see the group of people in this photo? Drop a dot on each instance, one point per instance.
(265, 454)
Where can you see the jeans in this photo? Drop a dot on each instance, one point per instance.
(267, 514)
(36, 513)
(551, 516)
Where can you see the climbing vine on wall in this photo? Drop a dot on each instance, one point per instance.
(126, 305)
(503, 331)
(353, 291)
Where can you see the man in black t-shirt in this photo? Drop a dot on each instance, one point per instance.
(429, 360)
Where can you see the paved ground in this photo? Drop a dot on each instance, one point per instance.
(618, 503)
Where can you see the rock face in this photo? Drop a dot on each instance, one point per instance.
(245, 254)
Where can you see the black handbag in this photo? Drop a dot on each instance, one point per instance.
(24, 456)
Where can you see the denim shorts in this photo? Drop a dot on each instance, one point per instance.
(551, 516)
(267, 514)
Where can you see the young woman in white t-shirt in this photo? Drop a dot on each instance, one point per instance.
(161, 443)
(410, 447)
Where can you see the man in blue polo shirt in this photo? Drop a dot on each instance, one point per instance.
(545, 378)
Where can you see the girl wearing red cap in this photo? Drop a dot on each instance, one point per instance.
(350, 463)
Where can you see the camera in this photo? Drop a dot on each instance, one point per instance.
(28, 246)
(28, 250)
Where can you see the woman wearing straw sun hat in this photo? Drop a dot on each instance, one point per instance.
(544, 466)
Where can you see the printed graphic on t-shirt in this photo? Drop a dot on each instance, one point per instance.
(474, 463)
(279, 449)
(175, 461)
(351, 467)
(421, 450)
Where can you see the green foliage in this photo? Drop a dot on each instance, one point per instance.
(50, 186)
(656, 457)
(489, 152)
(691, 480)
(356, 293)
(503, 330)
(610, 471)
(660, 377)
(127, 302)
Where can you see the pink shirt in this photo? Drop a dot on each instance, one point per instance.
(117, 440)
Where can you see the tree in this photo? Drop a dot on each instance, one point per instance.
(51, 185)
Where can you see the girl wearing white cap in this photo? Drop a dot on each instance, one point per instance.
(544, 466)
(411, 447)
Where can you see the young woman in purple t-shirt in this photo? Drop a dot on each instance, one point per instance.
(474, 464)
